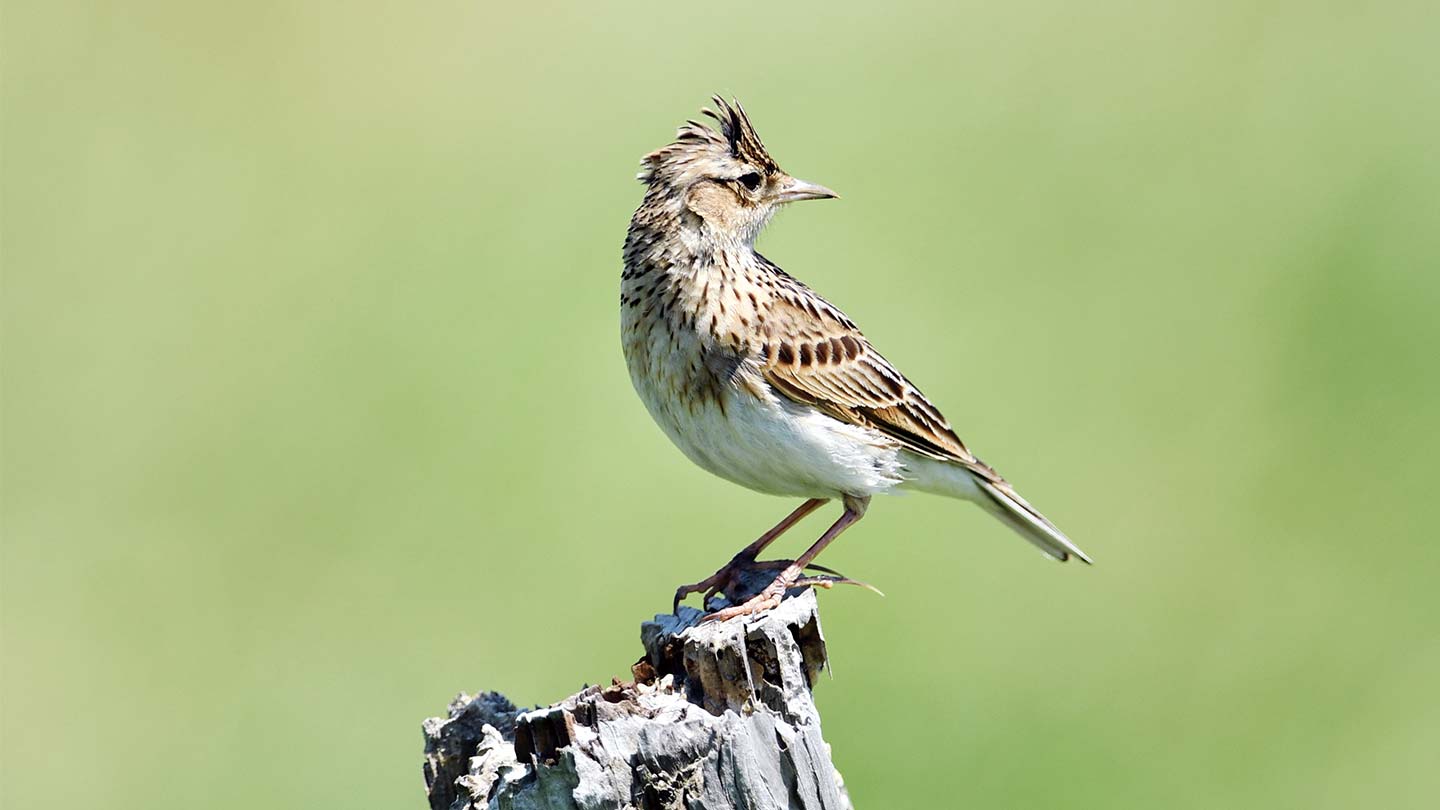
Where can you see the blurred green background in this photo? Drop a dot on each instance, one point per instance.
(315, 414)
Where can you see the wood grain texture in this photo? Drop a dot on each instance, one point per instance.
(719, 715)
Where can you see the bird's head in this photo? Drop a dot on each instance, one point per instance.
(725, 178)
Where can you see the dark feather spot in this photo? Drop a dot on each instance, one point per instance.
(822, 352)
(806, 356)
(786, 354)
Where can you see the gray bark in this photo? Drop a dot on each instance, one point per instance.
(719, 716)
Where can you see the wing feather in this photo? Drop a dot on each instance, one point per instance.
(815, 355)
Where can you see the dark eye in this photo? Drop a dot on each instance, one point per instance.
(750, 181)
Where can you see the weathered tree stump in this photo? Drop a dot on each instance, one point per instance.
(719, 716)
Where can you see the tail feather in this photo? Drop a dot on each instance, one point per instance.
(976, 481)
(1005, 503)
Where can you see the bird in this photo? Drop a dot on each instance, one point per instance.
(758, 379)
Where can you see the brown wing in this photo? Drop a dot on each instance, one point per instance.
(817, 356)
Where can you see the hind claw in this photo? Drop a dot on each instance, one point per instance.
(828, 582)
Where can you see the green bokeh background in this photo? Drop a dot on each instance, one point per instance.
(315, 414)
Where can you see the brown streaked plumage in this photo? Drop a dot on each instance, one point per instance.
(757, 378)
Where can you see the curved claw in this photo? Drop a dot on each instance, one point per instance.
(709, 584)
(831, 581)
(711, 592)
(718, 581)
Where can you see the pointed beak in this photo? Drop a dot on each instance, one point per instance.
(795, 190)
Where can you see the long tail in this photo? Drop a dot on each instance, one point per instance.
(996, 496)
(1005, 503)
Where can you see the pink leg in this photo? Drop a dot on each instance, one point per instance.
(771, 596)
(746, 558)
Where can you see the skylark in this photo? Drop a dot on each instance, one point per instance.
(758, 379)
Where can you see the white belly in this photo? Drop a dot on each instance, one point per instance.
(772, 445)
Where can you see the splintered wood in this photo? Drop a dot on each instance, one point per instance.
(719, 716)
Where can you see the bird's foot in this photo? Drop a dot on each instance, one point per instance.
(768, 598)
(732, 577)
(790, 577)
(729, 576)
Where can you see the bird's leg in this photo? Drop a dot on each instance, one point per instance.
(791, 575)
(746, 558)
